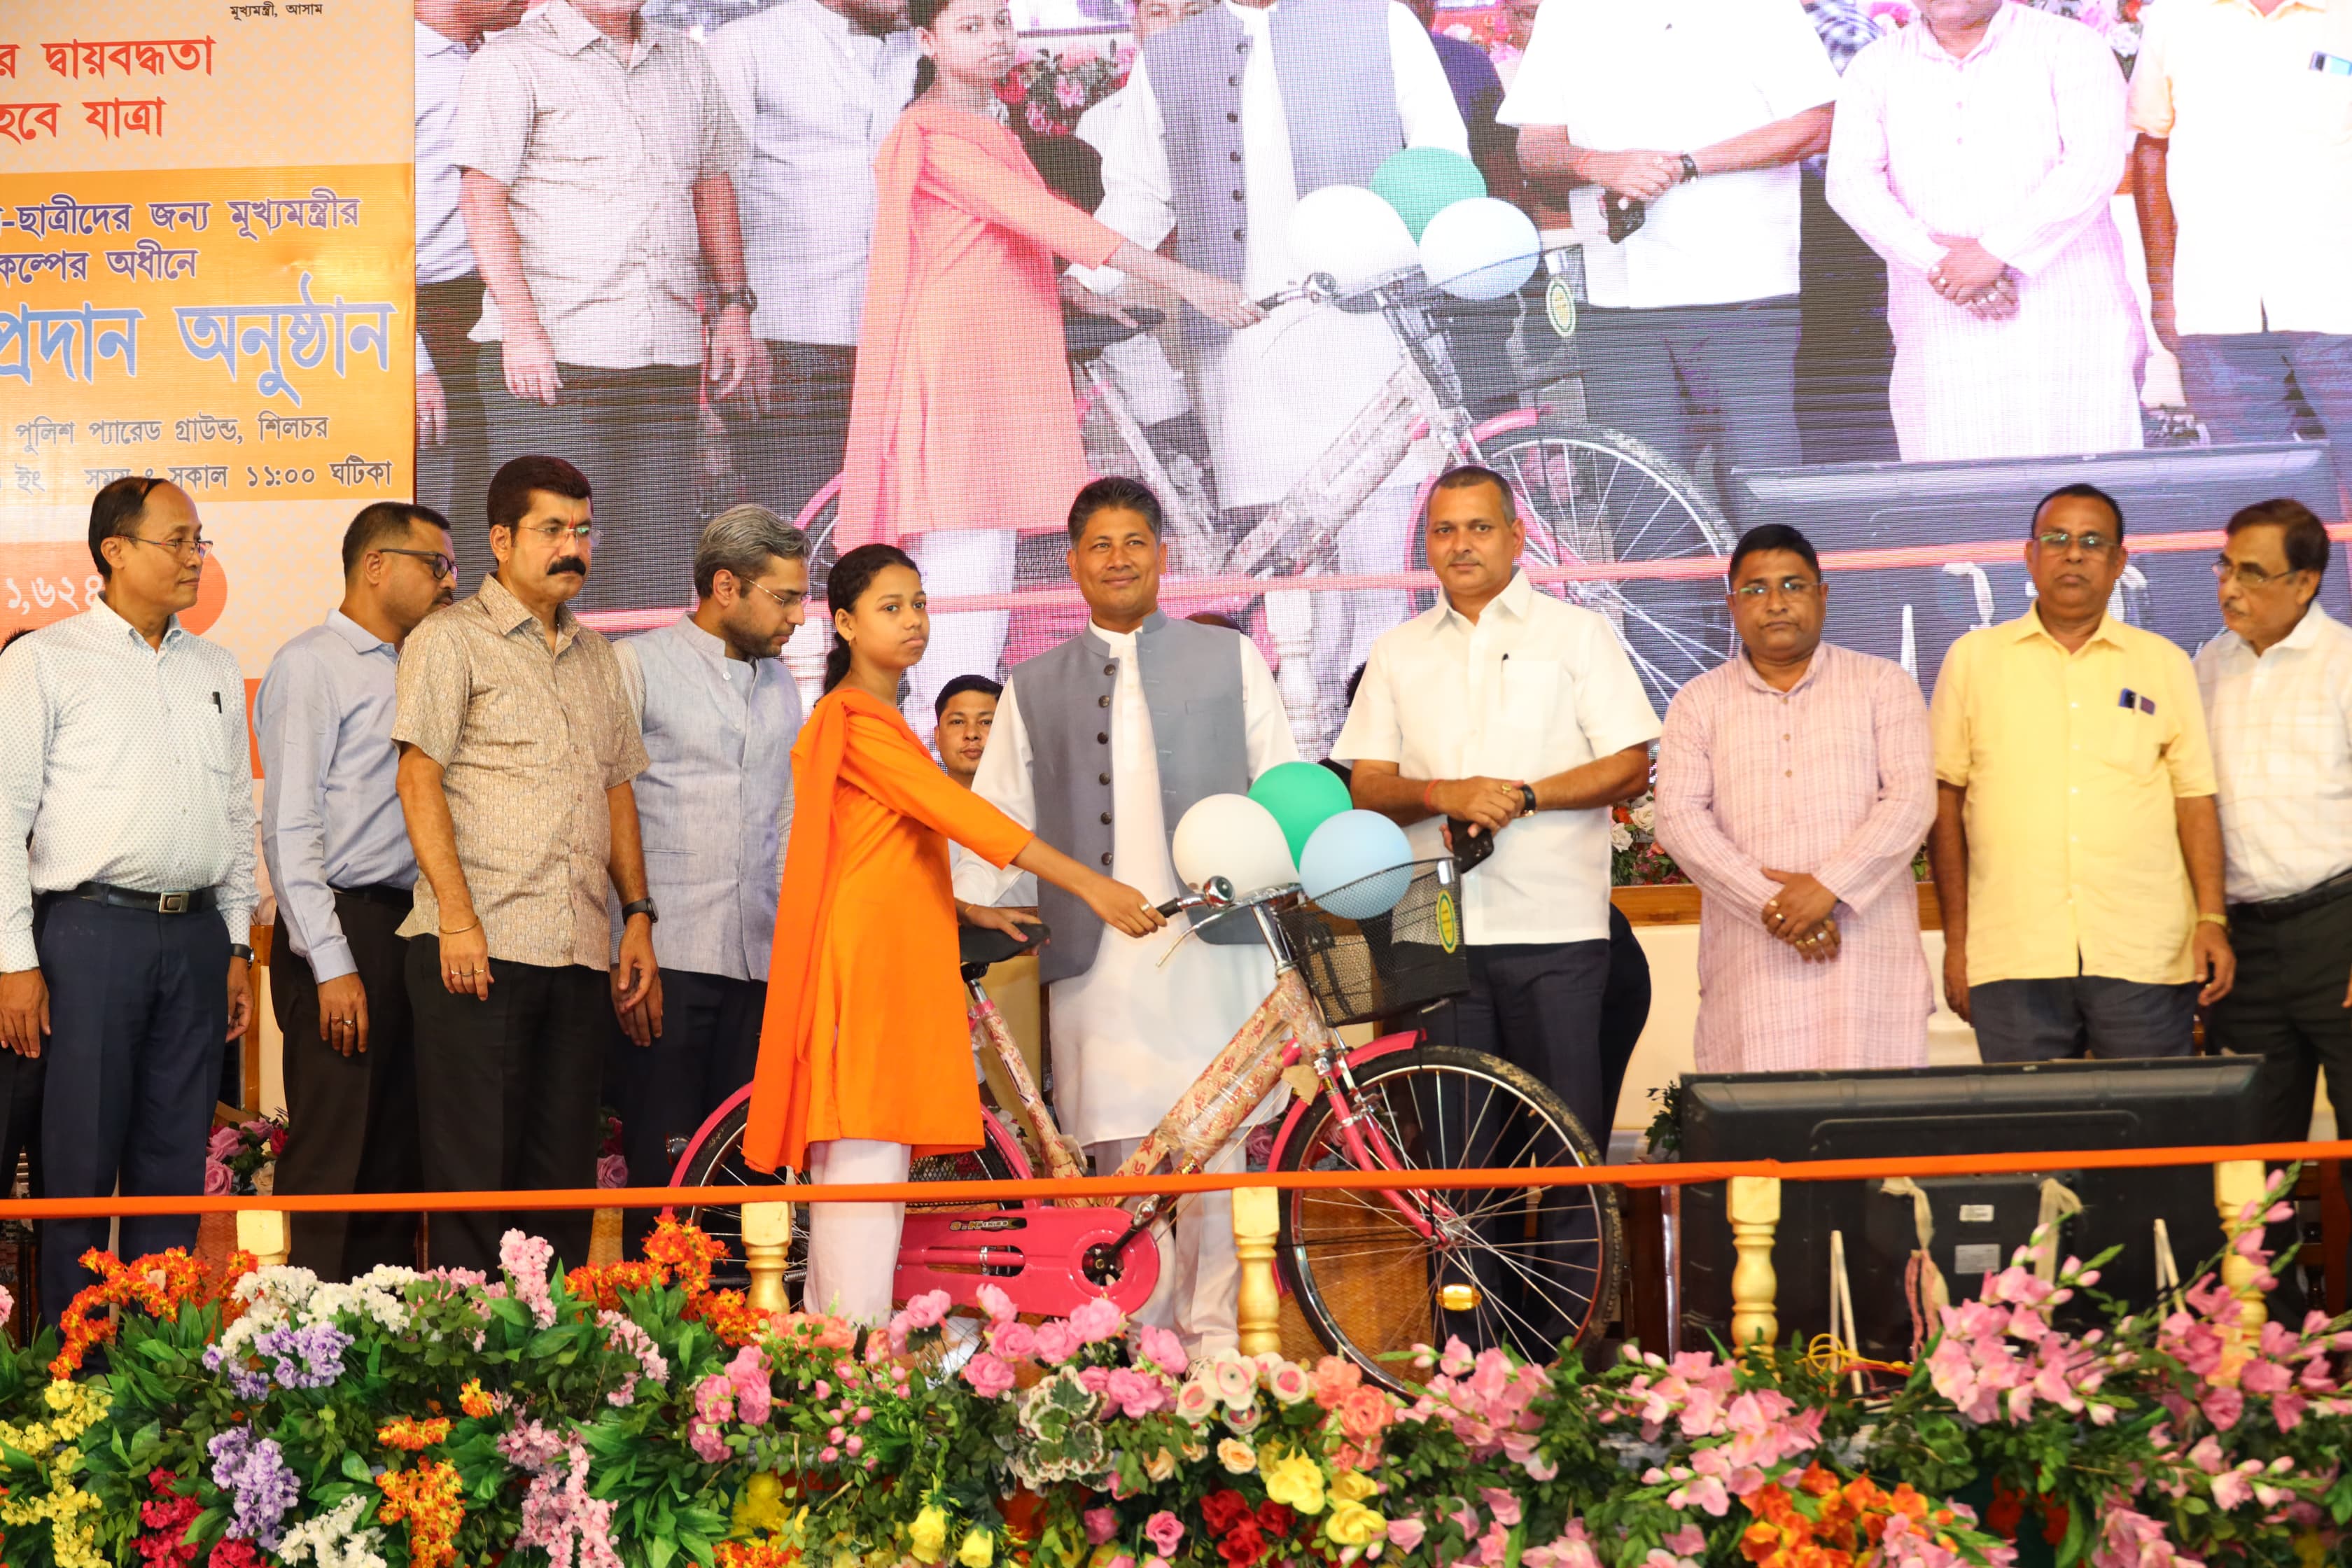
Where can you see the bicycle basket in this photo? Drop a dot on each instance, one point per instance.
(1390, 963)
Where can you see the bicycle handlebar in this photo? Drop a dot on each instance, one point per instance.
(1217, 894)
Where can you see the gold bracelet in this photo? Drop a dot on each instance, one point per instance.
(2221, 921)
(463, 930)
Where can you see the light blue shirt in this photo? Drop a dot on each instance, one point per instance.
(122, 764)
(715, 802)
(329, 802)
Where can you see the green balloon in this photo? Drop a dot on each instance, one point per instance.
(1421, 182)
(1302, 798)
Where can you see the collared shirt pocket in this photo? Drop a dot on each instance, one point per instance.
(2131, 739)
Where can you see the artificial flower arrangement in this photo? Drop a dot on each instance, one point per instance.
(241, 1158)
(1050, 90)
(628, 1415)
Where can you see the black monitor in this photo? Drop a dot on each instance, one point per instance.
(1923, 610)
(1978, 1221)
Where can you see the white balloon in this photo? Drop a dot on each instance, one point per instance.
(1352, 233)
(1480, 249)
(1233, 837)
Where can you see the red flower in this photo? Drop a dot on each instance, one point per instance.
(1221, 1511)
(1242, 1546)
(1275, 1519)
(233, 1551)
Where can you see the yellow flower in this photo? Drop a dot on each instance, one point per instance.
(1353, 1524)
(1353, 1486)
(928, 1536)
(1160, 1465)
(760, 1505)
(473, 1401)
(978, 1549)
(1236, 1456)
(1297, 1482)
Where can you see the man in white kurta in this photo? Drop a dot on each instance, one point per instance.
(1133, 1031)
(1276, 394)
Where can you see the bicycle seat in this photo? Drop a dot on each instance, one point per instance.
(981, 947)
(1085, 336)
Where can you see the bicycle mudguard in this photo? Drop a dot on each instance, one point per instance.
(1387, 1045)
(1035, 1253)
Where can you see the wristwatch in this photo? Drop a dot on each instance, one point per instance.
(743, 297)
(1690, 168)
(641, 906)
(1528, 799)
(238, 949)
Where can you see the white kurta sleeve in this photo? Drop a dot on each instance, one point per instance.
(1139, 187)
(1424, 99)
(1006, 782)
(1271, 741)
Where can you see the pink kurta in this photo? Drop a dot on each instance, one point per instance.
(1836, 777)
(2018, 145)
(961, 416)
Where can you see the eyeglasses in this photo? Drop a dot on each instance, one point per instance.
(582, 533)
(443, 565)
(2252, 576)
(2092, 543)
(1786, 587)
(792, 603)
(199, 546)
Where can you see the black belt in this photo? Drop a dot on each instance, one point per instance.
(382, 893)
(2271, 910)
(197, 901)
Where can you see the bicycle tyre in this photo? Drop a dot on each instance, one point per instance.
(1598, 496)
(1360, 1311)
(715, 1159)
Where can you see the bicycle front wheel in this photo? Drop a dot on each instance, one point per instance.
(1535, 1269)
(716, 1160)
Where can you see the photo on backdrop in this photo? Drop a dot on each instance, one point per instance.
(1887, 271)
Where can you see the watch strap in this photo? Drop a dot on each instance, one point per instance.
(238, 949)
(641, 906)
(1690, 167)
(1527, 797)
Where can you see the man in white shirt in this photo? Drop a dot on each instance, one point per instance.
(1499, 704)
(815, 85)
(1102, 744)
(1691, 115)
(1235, 115)
(452, 450)
(2277, 685)
(126, 878)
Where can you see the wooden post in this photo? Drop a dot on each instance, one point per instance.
(804, 660)
(1257, 1219)
(1754, 1203)
(767, 1237)
(262, 1232)
(2236, 1184)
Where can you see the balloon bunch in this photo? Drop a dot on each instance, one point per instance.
(1425, 208)
(1295, 827)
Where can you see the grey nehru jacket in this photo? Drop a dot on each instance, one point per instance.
(1192, 689)
(715, 801)
(1338, 106)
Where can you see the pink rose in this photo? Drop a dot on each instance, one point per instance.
(223, 1144)
(1165, 1531)
(1135, 1393)
(1101, 1525)
(996, 1304)
(1056, 1342)
(1098, 1321)
(927, 1311)
(218, 1182)
(989, 1375)
(1079, 55)
(612, 1170)
(1162, 1349)
(1335, 1379)
(1404, 1534)
(1014, 1341)
(1070, 94)
(1363, 1414)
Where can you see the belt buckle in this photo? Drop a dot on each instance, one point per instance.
(172, 904)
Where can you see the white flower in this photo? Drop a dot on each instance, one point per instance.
(1620, 837)
(1644, 815)
(330, 1540)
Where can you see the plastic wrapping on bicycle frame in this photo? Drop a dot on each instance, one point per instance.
(1360, 971)
(1206, 1115)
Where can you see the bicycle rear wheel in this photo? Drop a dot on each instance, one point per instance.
(715, 1159)
(1532, 1267)
(1597, 496)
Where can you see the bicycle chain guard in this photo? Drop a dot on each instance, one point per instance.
(1035, 1253)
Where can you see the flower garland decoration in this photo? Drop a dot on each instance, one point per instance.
(158, 1285)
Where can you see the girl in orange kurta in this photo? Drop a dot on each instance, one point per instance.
(962, 430)
(865, 1055)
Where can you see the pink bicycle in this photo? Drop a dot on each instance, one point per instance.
(1371, 1271)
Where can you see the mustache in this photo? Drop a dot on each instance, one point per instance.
(572, 563)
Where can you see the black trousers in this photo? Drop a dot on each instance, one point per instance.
(794, 450)
(454, 478)
(1625, 1013)
(138, 1010)
(506, 1093)
(663, 1092)
(2287, 1007)
(632, 432)
(350, 1120)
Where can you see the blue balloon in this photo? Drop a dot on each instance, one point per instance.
(1356, 865)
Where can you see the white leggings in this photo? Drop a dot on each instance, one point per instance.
(958, 561)
(852, 1253)
(1199, 1274)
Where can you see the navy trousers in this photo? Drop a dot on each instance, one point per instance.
(663, 1092)
(138, 1012)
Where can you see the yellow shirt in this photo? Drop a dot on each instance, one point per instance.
(2260, 167)
(2071, 763)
